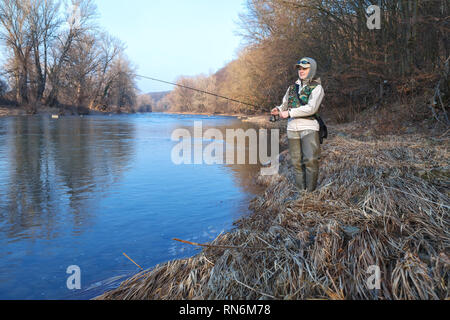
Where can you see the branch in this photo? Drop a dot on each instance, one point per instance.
(220, 247)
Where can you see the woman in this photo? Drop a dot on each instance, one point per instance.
(300, 104)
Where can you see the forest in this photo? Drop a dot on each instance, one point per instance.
(58, 56)
(403, 61)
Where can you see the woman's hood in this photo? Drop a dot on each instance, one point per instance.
(312, 71)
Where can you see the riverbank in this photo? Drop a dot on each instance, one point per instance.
(7, 111)
(10, 111)
(382, 202)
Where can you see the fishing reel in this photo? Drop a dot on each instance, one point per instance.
(274, 118)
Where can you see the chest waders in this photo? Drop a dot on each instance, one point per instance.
(304, 151)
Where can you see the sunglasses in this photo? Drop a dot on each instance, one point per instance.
(303, 62)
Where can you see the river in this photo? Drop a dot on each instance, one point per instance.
(81, 191)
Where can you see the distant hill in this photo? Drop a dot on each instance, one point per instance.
(156, 96)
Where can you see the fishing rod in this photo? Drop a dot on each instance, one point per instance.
(198, 90)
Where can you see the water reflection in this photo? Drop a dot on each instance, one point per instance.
(245, 173)
(81, 191)
(54, 167)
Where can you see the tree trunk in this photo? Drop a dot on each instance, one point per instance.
(22, 88)
(40, 79)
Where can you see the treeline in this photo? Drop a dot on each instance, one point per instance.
(58, 56)
(359, 66)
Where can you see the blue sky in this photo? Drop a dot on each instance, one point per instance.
(166, 39)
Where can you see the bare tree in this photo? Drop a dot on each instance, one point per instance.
(79, 16)
(354, 61)
(44, 22)
(58, 55)
(122, 94)
(144, 103)
(110, 49)
(16, 36)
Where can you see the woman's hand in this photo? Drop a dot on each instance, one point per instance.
(275, 112)
(284, 114)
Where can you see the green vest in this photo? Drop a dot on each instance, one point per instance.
(297, 99)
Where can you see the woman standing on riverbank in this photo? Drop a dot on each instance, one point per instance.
(300, 104)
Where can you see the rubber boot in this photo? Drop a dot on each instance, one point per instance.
(295, 150)
(311, 153)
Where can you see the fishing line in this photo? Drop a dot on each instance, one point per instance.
(198, 90)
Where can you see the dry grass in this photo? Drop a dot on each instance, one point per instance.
(381, 202)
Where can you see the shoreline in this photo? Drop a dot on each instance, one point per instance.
(6, 111)
(260, 120)
(321, 245)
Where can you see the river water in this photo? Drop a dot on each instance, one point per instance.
(83, 191)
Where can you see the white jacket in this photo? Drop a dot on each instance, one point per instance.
(310, 109)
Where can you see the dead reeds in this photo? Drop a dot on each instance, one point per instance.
(381, 202)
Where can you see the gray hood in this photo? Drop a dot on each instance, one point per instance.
(312, 72)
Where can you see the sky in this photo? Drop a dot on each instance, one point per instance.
(166, 39)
